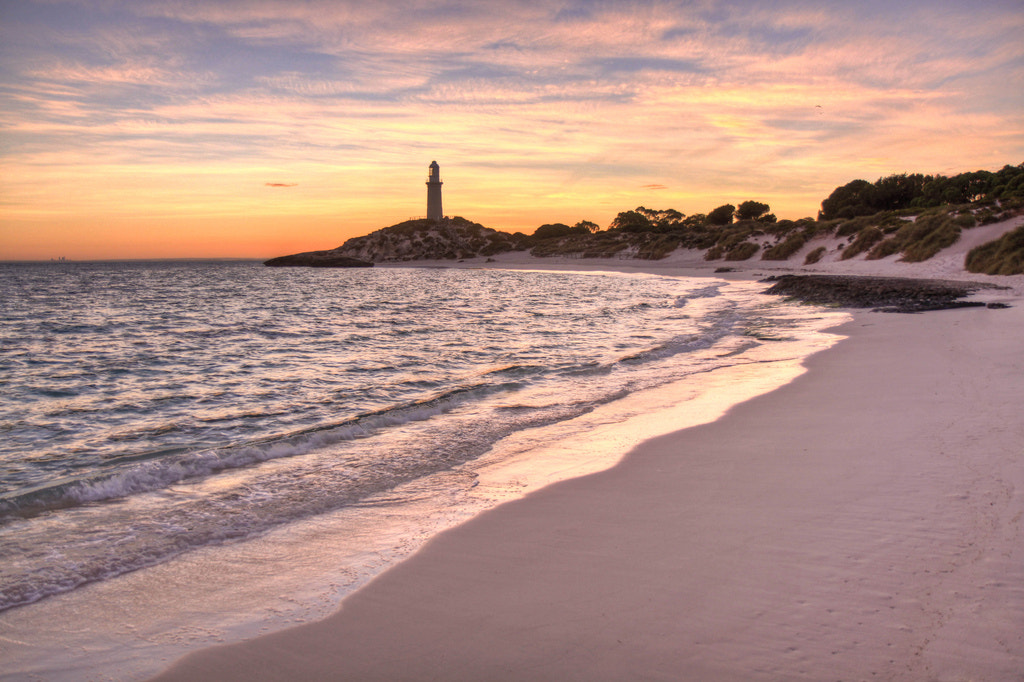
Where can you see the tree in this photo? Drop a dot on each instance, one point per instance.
(643, 219)
(751, 210)
(550, 230)
(586, 226)
(631, 221)
(722, 215)
(897, 191)
(855, 198)
(662, 219)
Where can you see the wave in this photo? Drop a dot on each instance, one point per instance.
(159, 469)
(721, 327)
(361, 404)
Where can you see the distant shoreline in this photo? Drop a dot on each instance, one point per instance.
(86, 261)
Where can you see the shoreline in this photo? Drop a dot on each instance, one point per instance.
(299, 573)
(873, 534)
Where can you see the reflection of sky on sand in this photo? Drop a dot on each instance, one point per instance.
(134, 625)
(596, 441)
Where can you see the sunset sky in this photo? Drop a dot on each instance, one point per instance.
(257, 128)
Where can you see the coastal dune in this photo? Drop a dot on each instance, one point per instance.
(862, 522)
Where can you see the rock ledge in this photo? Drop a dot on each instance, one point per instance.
(317, 259)
(885, 294)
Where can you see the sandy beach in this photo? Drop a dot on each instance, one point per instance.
(862, 522)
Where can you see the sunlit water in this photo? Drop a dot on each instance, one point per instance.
(155, 413)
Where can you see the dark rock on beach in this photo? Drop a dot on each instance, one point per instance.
(886, 294)
(317, 259)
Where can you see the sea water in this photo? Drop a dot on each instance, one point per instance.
(195, 435)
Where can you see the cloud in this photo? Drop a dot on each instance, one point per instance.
(281, 184)
(583, 102)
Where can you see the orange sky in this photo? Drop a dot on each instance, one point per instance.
(251, 129)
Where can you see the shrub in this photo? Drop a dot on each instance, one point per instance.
(854, 226)
(605, 249)
(815, 255)
(781, 228)
(714, 253)
(742, 251)
(1004, 256)
(658, 248)
(884, 248)
(930, 242)
(784, 250)
(866, 238)
(814, 228)
(965, 220)
(988, 216)
(890, 223)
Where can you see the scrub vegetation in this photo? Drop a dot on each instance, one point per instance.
(913, 216)
(1004, 256)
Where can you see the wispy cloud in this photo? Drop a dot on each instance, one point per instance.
(543, 105)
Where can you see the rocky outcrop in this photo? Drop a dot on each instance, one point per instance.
(425, 239)
(318, 259)
(887, 294)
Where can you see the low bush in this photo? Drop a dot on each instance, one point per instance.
(883, 249)
(988, 216)
(742, 251)
(815, 228)
(922, 239)
(927, 237)
(965, 220)
(930, 244)
(783, 250)
(1004, 256)
(866, 238)
(854, 226)
(815, 255)
(605, 250)
(657, 248)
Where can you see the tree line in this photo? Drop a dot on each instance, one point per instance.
(917, 191)
(854, 199)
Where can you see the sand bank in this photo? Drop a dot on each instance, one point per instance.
(862, 522)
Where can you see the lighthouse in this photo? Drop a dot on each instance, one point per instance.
(434, 210)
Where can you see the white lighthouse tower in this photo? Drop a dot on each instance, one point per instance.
(434, 210)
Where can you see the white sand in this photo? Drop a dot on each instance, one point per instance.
(861, 522)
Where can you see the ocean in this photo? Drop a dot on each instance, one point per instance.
(191, 452)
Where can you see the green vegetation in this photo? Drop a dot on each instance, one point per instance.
(754, 210)
(1004, 256)
(559, 230)
(742, 251)
(722, 215)
(895, 192)
(783, 250)
(865, 239)
(920, 240)
(915, 216)
(815, 255)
